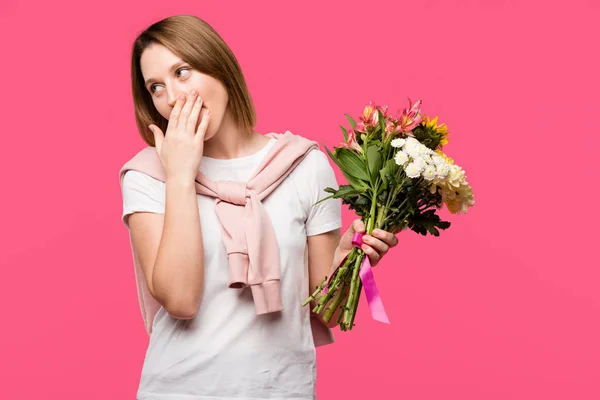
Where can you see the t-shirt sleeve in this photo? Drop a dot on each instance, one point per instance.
(141, 193)
(327, 215)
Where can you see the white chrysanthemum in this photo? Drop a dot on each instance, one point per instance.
(424, 150)
(427, 159)
(411, 147)
(453, 187)
(455, 176)
(429, 172)
(420, 161)
(442, 170)
(411, 141)
(437, 160)
(412, 151)
(401, 158)
(415, 149)
(398, 142)
(412, 170)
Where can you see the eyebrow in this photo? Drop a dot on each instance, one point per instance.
(173, 67)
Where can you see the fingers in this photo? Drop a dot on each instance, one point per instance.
(193, 119)
(158, 136)
(186, 111)
(389, 238)
(205, 115)
(373, 255)
(176, 111)
(380, 246)
(376, 245)
(358, 226)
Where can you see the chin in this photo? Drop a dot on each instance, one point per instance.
(209, 134)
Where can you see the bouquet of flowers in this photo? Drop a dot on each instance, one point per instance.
(398, 177)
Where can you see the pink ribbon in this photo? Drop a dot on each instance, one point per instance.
(368, 280)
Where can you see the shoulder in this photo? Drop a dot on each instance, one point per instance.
(315, 163)
(136, 183)
(144, 160)
(133, 177)
(148, 153)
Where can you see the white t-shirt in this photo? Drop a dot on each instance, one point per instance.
(227, 352)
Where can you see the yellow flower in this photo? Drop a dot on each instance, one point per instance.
(446, 159)
(441, 129)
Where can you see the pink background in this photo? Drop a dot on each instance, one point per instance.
(504, 305)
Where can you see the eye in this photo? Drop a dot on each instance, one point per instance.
(176, 72)
(182, 69)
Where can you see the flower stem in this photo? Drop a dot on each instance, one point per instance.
(338, 278)
(349, 311)
(313, 297)
(341, 295)
(354, 306)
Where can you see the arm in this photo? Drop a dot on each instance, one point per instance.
(326, 251)
(170, 250)
(322, 261)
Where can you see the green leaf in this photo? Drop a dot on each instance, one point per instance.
(323, 199)
(381, 123)
(346, 190)
(353, 164)
(352, 123)
(374, 159)
(344, 131)
(428, 221)
(333, 157)
(443, 225)
(383, 174)
(356, 183)
(363, 201)
(392, 167)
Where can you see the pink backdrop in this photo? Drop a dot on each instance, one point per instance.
(504, 305)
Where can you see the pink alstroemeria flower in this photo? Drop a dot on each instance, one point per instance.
(375, 118)
(360, 127)
(370, 116)
(352, 144)
(384, 111)
(408, 120)
(367, 115)
(389, 128)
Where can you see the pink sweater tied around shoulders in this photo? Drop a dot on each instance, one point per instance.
(252, 248)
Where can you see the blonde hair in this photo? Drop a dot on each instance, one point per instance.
(197, 43)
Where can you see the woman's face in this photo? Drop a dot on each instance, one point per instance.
(166, 76)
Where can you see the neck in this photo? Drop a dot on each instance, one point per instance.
(230, 142)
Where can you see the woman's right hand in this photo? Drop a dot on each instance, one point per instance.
(180, 149)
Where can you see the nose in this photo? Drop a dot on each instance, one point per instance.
(172, 96)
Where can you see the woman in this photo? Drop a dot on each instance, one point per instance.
(211, 338)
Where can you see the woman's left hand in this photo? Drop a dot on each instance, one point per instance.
(375, 246)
